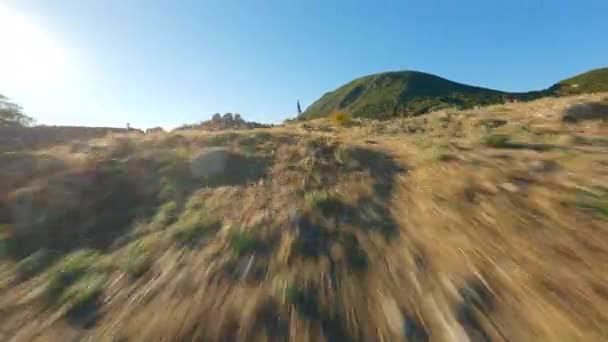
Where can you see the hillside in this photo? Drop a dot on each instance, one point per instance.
(593, 81)
(14, 138)
(410, 93)
(486, 224)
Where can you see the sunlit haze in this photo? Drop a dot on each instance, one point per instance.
(164, 63)
(30, 57)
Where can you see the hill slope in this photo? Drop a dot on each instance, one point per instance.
(593, 81)
(392, 93)
(407, 93)
(486, 223)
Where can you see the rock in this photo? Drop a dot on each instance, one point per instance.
(489, 187)
(543, 166)
(227, 119)
(209, 163)
(511, 187)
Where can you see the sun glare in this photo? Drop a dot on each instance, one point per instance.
(29, 56)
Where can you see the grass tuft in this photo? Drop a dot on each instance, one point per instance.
(165, 216)
(243, 243)
(192, 227)
(69, 270)
(139, 256)
(496, 140)
(84, 294)
(598, 203)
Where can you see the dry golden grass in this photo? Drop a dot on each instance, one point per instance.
(415, 229)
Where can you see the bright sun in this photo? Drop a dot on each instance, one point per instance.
(29, 57)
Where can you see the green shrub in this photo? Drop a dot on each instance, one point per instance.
(597, 202)
(165, 216)
(139, 256)
(192, 227)
(69, 270)
(496, 140)
(243, 243)
(85, 293)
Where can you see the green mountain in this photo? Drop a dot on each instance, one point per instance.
(589, 82)
(406, 93)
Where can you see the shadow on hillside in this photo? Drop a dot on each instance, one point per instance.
(18, 168)
(94, 206)
(306, 303)
(477, 301)
(586, 111)
(531, 146)
(381, 167)
(332, 229)
(91, 207)
(28, 138)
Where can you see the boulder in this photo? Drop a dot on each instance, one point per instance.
(210, 163)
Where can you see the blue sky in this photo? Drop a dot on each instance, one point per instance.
(164, 63)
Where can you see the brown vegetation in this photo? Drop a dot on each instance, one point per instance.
(487, 224)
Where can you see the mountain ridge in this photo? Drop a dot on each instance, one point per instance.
(410, 93)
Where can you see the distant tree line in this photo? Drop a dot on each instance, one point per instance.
(12, 114)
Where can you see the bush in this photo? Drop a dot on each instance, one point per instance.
(243, 243)
(139, 256)
(496, 140)
(70, 269)
(166, 215)
(192, 227)
(596, 202)
(85, 293)
(341, 118)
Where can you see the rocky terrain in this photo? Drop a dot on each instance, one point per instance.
(223, 122)
(485, 224)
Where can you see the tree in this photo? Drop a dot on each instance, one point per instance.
(12, 114)
(217, 117)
